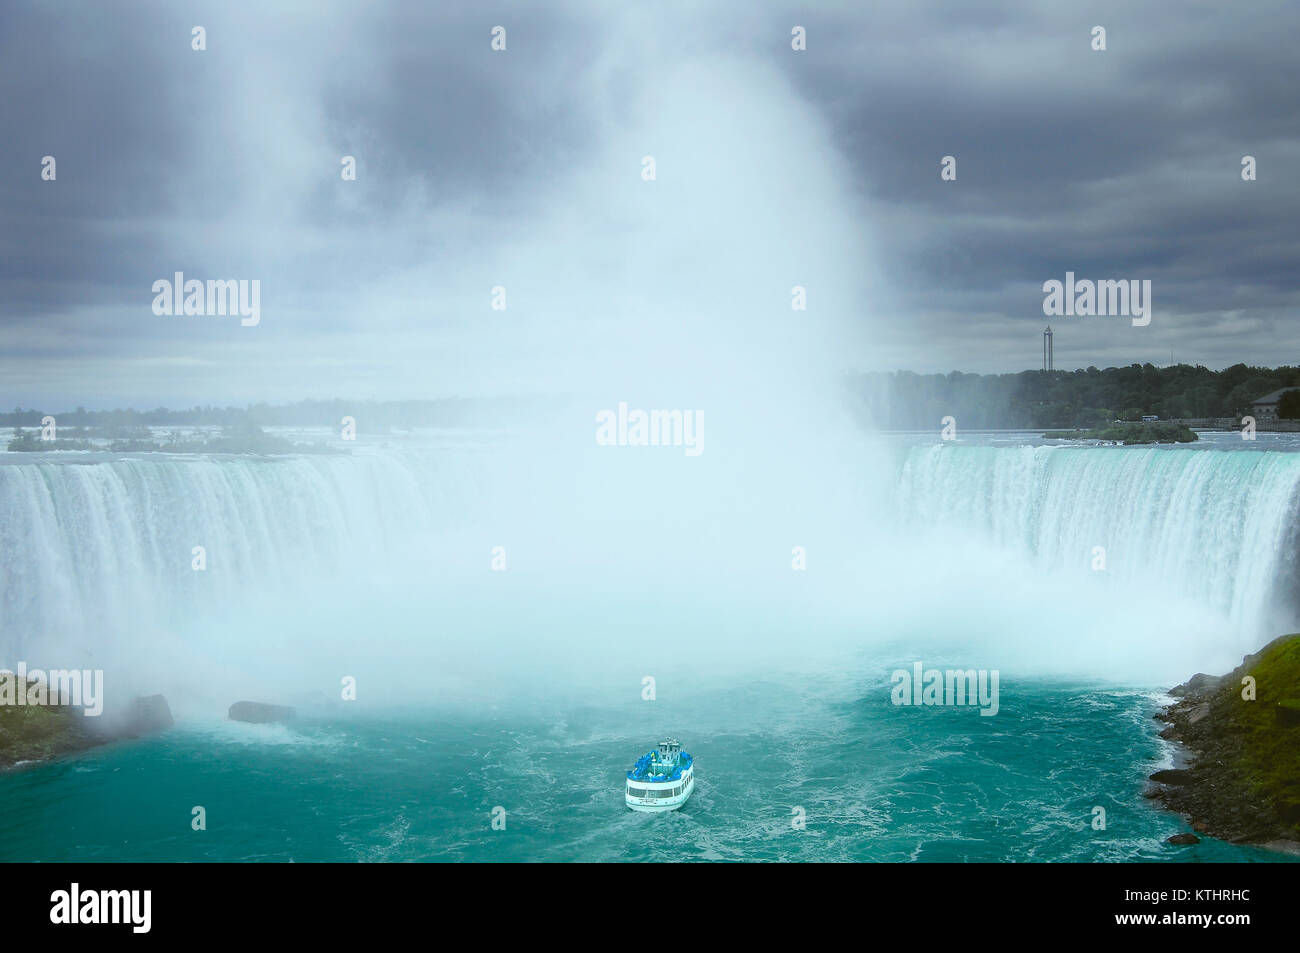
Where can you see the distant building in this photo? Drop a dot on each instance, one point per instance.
(1266, 407)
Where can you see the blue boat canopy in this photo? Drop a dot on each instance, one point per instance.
(641, 771)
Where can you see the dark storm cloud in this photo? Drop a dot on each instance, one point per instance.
(1123, 163)
(226, 164)
(134, 119)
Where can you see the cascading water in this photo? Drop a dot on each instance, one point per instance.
(1217, 527)
(95, 554)
(98, 565)
(374, 565)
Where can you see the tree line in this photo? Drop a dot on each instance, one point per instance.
(369, 414)
(1085, 398)
(901, 400)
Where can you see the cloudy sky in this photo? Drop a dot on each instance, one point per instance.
(524, 169)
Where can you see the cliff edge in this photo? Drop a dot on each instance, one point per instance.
(1239, 772)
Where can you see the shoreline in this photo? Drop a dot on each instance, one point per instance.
(32, 735)
(1227, 732)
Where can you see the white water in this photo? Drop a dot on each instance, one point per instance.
(96, 556)
(625, 564)
(1214, 527)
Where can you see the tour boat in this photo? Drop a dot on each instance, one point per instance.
(661, 780)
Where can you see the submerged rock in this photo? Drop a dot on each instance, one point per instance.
(1181, 840)
(260, 713)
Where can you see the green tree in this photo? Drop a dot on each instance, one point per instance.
(1288, 408)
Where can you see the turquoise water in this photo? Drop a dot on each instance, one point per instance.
(877, 783)
(376, 566)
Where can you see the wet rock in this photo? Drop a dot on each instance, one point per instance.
(260, 713)
(1182, 840)
(1173, 776)
(1198, 684)
(151, 713)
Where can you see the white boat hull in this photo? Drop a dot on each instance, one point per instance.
(654, 805)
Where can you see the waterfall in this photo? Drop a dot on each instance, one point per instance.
(1217, 527)
(91, 553)
(997, 545)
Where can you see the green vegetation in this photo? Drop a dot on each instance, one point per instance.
(1128, 434)
(1088, 398)
(1288, 406)
(1029, 400)
(1242, 731)
(36, 732)
(1270, 727)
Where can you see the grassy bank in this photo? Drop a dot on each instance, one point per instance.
(1241, 732)
(38, 732)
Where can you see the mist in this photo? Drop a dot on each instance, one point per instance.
(777, 547)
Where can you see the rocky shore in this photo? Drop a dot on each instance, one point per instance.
(1237, 775)
(34, 733)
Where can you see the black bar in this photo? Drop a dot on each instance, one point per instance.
(942, 902)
